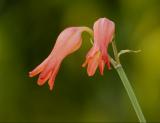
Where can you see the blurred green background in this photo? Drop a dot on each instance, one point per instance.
(28, 30)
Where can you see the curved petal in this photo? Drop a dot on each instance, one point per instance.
(39, 68)
(103, 32)
(53, 76)
(93, 64)
(41, 80)
(101, 65)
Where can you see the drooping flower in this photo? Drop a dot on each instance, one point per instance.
(98, 56)
(67, 42)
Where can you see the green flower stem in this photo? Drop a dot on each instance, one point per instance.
(90, 31)
(115, 51)
(117, 65)
(131, 94)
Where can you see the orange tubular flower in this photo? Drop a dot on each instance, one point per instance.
(68, 42)
(98, 56)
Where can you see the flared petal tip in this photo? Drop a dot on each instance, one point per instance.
(91, 71)
(40, 82)
(31, 74)
(51, 83)
(34, 72)
(101, 70)
(85, 63)
(51, 88)
(90, 74)
(108, 65)
(101, 73)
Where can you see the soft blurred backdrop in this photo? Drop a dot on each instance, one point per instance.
(28, 30)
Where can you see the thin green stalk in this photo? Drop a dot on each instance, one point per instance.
(126, 83)
(115, 51)
(131, 94)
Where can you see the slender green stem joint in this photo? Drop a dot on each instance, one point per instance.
(115, 51)
(131, 94)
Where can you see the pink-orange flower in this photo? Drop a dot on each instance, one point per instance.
(98, 56)
(68, 42)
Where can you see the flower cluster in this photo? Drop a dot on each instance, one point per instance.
(69, 41)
